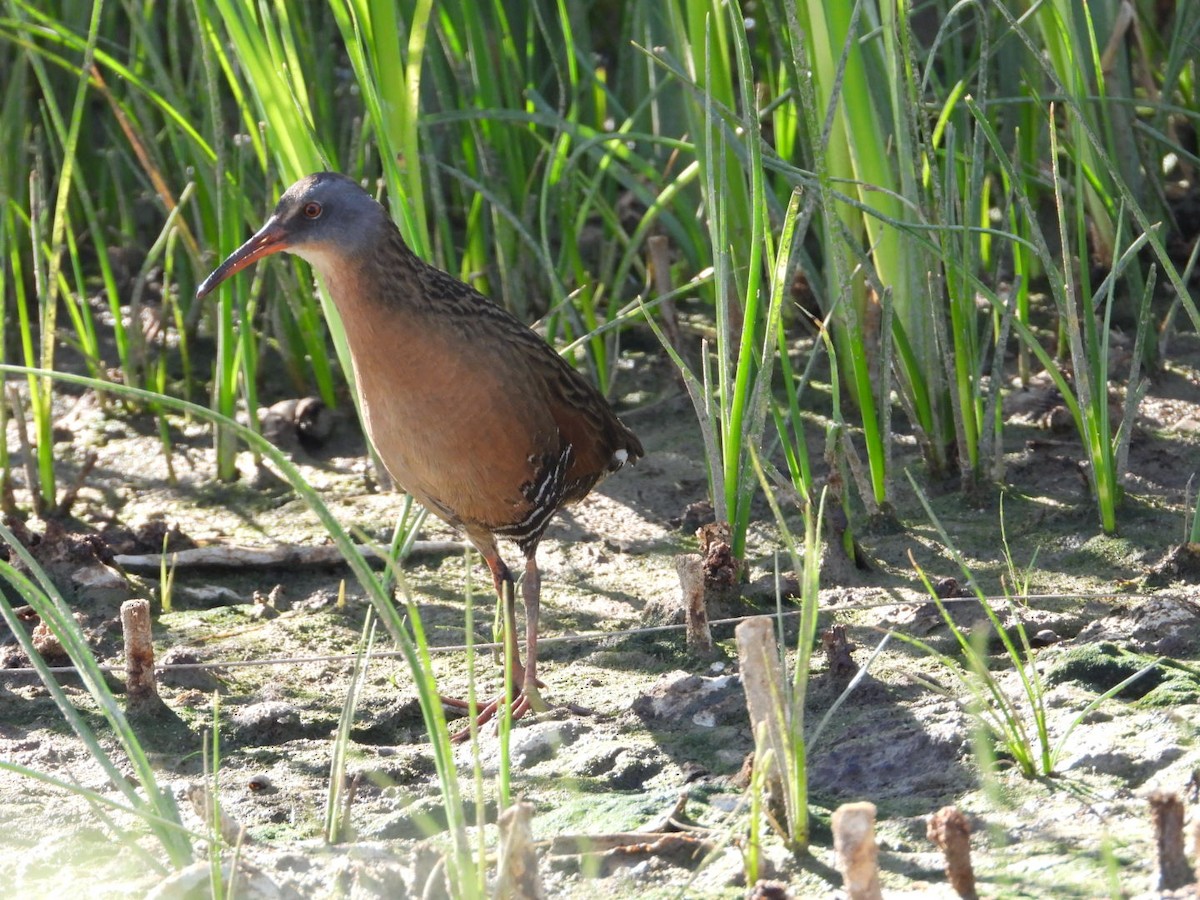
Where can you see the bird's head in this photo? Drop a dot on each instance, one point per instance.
(324, 218)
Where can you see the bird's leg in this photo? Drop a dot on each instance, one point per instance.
(507, 614)
(506, 609)
(530, 697)
(531, 591)
(524, 678)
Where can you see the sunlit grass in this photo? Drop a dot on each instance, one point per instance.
(152, 804)
(1016, 719)
(404, 629)
(536, 151)
(492, 152)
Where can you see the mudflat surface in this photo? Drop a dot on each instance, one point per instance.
(663, 723)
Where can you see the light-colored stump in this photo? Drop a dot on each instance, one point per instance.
(690, 567)
(1167, 815)
(857, 854)
(762, 680)
(139, 657)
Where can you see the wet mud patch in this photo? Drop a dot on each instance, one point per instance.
(664, 723)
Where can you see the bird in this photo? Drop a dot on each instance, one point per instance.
(470, 411)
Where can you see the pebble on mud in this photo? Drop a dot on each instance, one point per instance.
(542, 741)
(193, 679)
(269, 722)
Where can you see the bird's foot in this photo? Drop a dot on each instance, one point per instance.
(528, 699)
(464, 705)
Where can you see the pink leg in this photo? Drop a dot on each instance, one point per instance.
(524, 676)
(531, 593)
(505, 593)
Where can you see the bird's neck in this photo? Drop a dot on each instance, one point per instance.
(379, 274)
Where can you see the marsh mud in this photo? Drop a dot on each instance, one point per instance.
(666, 738)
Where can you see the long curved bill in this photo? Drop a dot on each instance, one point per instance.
(271, 238)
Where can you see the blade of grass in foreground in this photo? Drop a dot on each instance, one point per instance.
(407, 633)
(337, 810)
(157, 808)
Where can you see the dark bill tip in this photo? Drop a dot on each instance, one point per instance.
(271, 238)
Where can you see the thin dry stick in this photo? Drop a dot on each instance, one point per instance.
(160, 182)
(31, 473)
(659, 252)
(859, 473)
(1166, 815)
(950, 830)
(139, 656)
(857, 855)
(1125, 17)
(67, 500)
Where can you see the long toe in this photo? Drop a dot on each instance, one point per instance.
(523, 702)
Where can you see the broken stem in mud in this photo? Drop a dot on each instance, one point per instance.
(690, 568)
(1167, 814)
(139, 657)
(517, 875)
(857, 853)
(950, 830)
(762, 680)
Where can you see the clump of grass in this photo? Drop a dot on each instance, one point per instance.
(1015, 720)
(148, 803)
(222, 831)
(783, 749)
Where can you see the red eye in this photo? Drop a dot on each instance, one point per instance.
(312, 209)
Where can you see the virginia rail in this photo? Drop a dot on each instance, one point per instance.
(470, 411)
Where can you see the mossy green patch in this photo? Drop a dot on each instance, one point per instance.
(1180, 686)
(586, 813)
(1103, 666)
(1105, 555)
